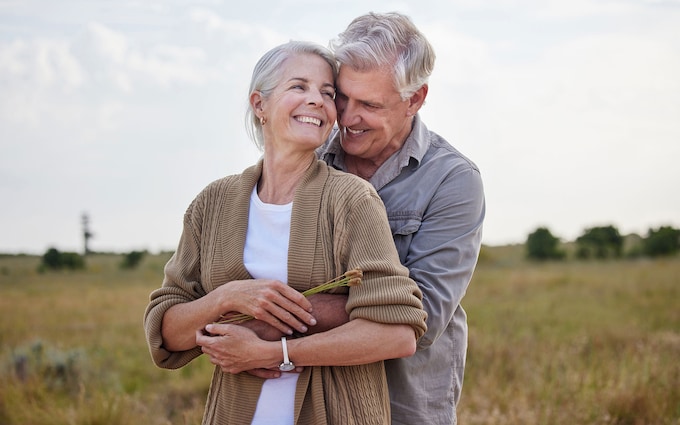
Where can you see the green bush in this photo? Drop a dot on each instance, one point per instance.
(132, 259)
(542, 245)
(53, 259)
(662, 241)
(600, 242)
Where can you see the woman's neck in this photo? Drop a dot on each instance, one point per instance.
(281, 176)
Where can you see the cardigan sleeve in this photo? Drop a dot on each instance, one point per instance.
(387, 294)
(181, 284)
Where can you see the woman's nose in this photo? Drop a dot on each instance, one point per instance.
(315, 98)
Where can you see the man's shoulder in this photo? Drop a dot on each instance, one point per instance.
(441, 151)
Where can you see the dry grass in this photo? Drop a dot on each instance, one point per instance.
(554, 343)
(573, 343)
(93, 318)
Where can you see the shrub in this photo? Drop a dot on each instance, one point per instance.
(600, 242)
(132, 259)
(57, 370)
(662, 241)
(55, 260)
(542, 245)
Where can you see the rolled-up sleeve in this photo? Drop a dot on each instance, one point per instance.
(181, 284)
(387, 294)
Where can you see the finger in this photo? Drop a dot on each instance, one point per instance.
(295, 316)
(272, 320)
(294, 309)
(216, 329)
(264, 373)
(201, 338)
(293, 296)
(289, 318)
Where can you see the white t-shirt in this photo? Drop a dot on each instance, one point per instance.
(266, 257)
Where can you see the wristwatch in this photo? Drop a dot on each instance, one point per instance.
(287, 365)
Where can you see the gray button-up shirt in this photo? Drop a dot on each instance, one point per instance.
(435, 204)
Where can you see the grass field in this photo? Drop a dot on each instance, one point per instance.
(554, 343)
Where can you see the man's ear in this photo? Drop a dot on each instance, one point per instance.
(417, 100)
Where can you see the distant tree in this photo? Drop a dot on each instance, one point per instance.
(600, 242)
(662, 241)
(132, 259)
(542, 245)
(53, 259)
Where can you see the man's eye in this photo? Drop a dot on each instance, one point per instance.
(329, 94)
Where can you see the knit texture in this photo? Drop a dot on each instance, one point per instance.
(338, 223)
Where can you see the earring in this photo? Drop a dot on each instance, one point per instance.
(263, 121)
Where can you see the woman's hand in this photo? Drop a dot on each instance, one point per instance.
(269, 301)
(237, 349)
(273, 302)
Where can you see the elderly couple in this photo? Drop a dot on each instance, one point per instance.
(390, 350)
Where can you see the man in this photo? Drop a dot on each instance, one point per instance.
(433, 195)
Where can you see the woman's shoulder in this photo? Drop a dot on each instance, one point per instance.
(348, 181)
(218, 191)
(348, 190)
(218, 187)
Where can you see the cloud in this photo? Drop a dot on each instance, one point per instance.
(563, 134)
(41, 62)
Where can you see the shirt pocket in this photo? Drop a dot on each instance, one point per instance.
(403, 231)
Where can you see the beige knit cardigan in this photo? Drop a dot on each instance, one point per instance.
(338, 223)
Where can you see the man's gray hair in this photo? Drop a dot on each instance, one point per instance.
(387, 40)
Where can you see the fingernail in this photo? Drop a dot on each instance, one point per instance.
(312, 322)
(303, 329)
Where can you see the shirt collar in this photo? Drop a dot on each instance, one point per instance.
(415, 147)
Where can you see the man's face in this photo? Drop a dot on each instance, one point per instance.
(374, 121)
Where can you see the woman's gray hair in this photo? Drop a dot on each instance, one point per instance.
(267, 75)
(387, 40)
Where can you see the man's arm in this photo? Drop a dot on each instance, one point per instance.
(328, 310)
(442, 254)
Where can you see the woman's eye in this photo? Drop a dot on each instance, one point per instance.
(329, 94)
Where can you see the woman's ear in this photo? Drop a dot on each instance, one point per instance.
(256, 103)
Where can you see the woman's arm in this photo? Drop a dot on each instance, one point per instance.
(269, 301)
(236, 349)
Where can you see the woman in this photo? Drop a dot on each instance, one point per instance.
(252, 241)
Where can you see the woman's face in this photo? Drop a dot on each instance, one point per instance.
(301, 110)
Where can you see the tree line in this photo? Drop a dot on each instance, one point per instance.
(53, 259)
(604, 242)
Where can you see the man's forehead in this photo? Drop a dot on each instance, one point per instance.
(371, 84)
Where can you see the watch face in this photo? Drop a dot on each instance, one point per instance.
(286, 367)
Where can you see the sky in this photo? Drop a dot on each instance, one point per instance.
(123, 110)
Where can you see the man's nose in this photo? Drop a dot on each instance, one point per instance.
(348, 114)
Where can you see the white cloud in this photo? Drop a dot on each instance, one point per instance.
(569, 108)
(41, 62)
